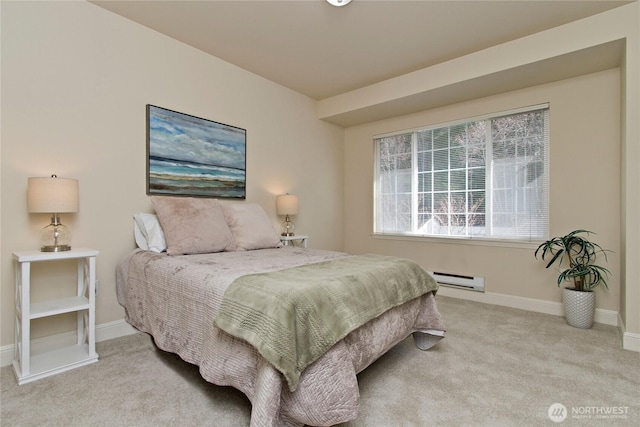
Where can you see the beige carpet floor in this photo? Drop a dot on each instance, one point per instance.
(496, 367)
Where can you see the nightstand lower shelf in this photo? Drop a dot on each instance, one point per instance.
(55, 361)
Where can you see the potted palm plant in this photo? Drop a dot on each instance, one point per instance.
(580, 254)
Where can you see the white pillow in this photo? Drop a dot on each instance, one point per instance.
(148, 232)
(250, 226)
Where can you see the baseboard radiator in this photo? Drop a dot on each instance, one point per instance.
(459, 281)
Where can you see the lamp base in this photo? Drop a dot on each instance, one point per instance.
(58, 248)
(287, 227)
(55, 237)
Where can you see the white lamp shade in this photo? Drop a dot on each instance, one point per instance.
(52, 195)
(287, 204)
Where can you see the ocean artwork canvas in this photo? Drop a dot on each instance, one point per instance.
(191, 156)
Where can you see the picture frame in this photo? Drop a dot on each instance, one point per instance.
(192, 156)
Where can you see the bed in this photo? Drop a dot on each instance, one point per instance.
(185, 301)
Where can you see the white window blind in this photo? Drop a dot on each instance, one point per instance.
(481, 178)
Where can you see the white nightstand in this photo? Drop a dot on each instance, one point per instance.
(28, 367)
(291, 240)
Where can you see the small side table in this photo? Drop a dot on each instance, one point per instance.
(28, 367)
(291, 240)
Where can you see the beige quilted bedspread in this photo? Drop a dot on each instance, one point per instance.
(175, 299)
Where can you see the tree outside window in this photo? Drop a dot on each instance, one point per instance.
(483, 178)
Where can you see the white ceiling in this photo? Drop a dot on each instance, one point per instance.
(322, 51)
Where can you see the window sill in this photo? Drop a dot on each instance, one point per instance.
(518, 244)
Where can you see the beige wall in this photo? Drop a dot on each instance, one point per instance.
(630, 219)
(551, 47)
(585, 187)
(75, 82)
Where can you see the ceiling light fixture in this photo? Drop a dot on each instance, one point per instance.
(338, 2)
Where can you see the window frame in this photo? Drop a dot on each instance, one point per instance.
(471, 238)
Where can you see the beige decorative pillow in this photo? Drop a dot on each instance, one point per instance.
(192, 225)
(250, 226)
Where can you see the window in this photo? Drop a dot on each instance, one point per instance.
(482, 178)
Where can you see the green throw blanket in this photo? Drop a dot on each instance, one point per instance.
(294, 316)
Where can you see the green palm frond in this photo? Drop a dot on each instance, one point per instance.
(581, 254)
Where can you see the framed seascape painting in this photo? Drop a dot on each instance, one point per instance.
(190, 156)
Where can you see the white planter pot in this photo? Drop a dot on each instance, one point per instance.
(579, 307)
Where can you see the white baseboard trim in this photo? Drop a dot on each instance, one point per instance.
(104, 331)
(6, 355)
(115, 329)
(630, 341)
(607, 317)
(120, 328)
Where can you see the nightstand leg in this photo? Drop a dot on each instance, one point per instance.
(22, 360)
(81, 291)
(91, 330)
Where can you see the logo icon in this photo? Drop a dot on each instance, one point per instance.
(557, 412)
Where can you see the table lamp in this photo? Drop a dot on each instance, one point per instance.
(55, 196)
(287, 204)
